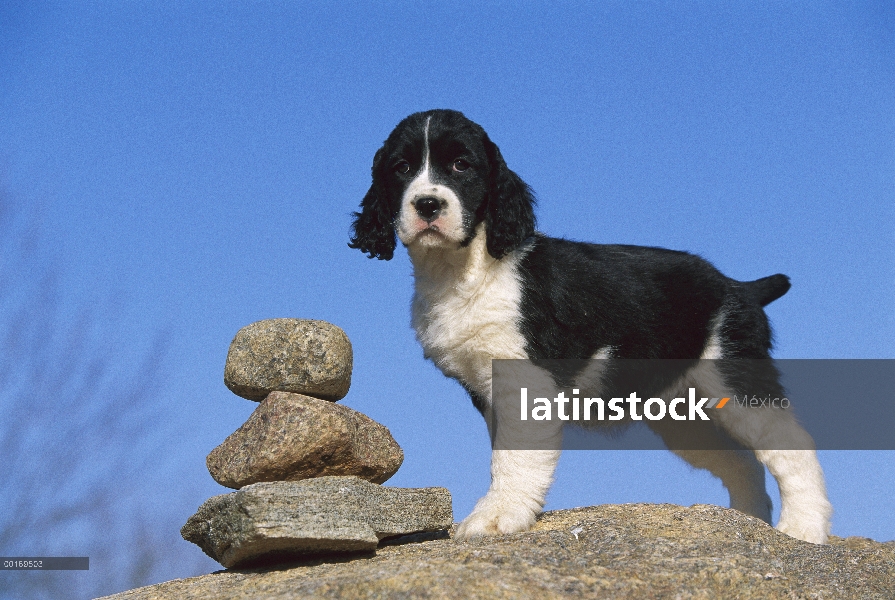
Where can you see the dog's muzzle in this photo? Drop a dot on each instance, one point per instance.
(428, 208)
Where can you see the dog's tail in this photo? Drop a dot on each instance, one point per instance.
(767, 289)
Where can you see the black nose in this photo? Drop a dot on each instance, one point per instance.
(428, 208)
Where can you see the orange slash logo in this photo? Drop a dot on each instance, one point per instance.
(714, 403)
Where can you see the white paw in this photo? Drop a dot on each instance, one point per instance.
(494, 516)
(807, 525)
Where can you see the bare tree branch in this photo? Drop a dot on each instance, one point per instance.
(78, 433)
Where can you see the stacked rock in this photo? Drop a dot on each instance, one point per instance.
(307, 469)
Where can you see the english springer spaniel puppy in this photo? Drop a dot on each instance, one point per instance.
(489, 286)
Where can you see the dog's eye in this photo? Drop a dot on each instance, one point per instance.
(460, 165)
(402, 167)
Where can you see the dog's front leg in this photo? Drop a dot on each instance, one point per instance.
(523, 459)
(524, 451)
(519, 483)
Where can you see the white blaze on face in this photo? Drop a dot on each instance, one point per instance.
(448, 226)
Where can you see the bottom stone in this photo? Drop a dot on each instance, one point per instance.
(313, 516)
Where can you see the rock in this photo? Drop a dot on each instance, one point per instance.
(323, 515)
(291, 437)
(612, 551)
(289, 355)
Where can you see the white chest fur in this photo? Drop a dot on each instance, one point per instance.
(466, 310)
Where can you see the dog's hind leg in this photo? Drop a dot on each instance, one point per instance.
(736, 466)
(779, 442)
(804, 509)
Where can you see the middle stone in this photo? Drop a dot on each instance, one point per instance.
(291, 437)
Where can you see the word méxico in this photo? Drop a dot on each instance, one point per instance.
(585, 409)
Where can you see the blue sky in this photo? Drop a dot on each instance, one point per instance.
(195, 166)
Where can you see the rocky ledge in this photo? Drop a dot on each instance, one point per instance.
(642, 551)
(273, 521)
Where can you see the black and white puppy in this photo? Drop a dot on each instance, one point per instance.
(488, 286)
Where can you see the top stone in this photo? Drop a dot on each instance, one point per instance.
(289, 355)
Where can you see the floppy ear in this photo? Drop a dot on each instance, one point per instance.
(509, 214)
(373, 229)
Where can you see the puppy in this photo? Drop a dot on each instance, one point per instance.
(488, 286)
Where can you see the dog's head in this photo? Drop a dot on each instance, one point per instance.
(436, 178)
